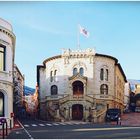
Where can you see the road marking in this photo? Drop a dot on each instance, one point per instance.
(55, 124)
(25, 130)
(26, 125)
(49, 124)
(76, 123)
(84, 123)
(34, 125)
(41, 124)
(104, 129)
(62, 123)
(17, 132)
(17, 125)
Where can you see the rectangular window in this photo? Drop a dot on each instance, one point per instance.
(2, 58)
(1, 107)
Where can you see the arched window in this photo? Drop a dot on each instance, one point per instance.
(81, 71)
(74, 71)
(104, 89)
(102, 74)
(54, 90)
(1, 104)
(78, 88)
(55, 73)
(106, 75)
(51, 77)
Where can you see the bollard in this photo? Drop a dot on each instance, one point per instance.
(10, 124)
(6, 128)
(120, 123)
(117, 121)
(3, 130)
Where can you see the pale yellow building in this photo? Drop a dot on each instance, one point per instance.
(78, 85)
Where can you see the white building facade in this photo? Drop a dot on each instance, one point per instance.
(79, 85)
(7, 53)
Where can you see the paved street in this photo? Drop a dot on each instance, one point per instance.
(34, 129)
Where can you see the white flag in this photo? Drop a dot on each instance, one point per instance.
(83, 31)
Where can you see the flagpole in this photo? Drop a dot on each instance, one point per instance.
(78, 40)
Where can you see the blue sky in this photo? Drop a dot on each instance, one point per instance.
(42, 29)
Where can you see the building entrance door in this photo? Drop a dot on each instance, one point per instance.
(77, 112)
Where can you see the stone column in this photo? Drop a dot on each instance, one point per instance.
(85, 90)
(57, 113)
(94, 116)
(70, 113)
(85, 110)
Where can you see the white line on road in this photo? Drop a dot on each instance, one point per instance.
(34, 125)
(62, 123)
(49, 124)
(98, 129)
(41, 124)
(26, 125)
(25, 130)
(55, 124)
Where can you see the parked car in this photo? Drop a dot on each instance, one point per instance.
(113, 114)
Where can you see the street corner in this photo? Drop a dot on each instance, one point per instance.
(17, 125)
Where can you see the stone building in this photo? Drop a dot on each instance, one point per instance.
(31, 102)
(127, 96)
(7, 53)
(18, 90)
(79, 85)
(135, 95)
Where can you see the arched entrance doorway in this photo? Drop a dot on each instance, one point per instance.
(1, 104)
(78, 88)
(77, 112)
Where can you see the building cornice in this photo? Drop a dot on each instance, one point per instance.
(7, 32)
(121, 70)
(60, 56)
(98, 55)
(107, 56)
(52, 58)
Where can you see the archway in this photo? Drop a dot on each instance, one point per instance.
(78, 88)
(77, 112)
(1, 104)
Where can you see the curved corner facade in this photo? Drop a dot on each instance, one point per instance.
(7, 53)
(80, 85)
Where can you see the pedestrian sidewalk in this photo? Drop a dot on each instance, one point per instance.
(16, 126)
(131, 119)
(128, 119)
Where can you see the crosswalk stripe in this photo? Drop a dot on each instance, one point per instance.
(34, 125)
(41, 124)
(76, 123)
(62, 123)
(55, 124)
(83, 123)
(49, 124)
(26, 125)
